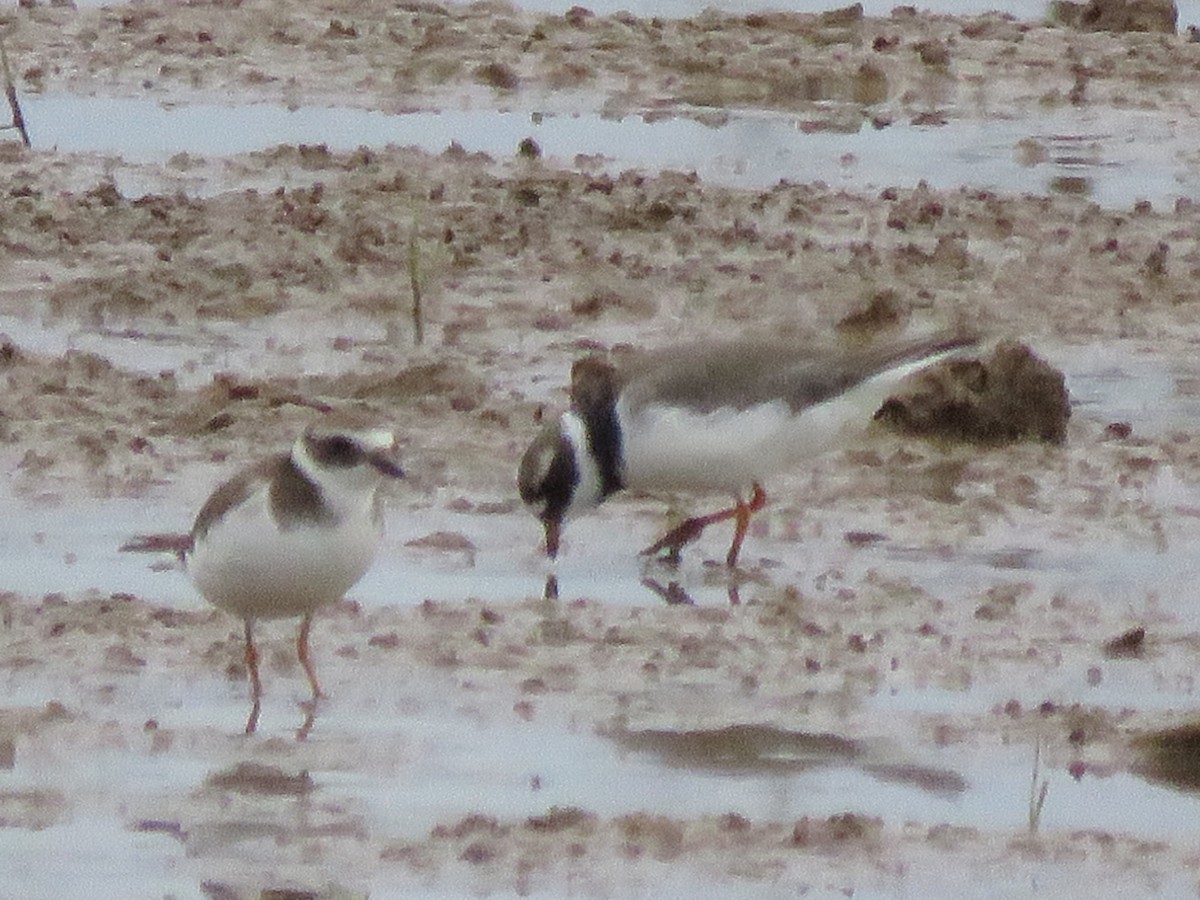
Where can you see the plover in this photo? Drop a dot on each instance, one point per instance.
(294, 532)
(701, 418)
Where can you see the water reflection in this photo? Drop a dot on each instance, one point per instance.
(257, 778)
(752, 748)
(672, 593)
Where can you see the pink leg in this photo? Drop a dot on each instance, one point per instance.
(252, 662)
(305, 660)
(255, 682)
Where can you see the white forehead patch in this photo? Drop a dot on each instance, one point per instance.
(375, 438)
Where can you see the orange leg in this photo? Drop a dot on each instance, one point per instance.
(305, 660)
(255, 683)
(742, 512)
(690, 529)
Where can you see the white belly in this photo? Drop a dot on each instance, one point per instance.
(247, 566)
(678, 449)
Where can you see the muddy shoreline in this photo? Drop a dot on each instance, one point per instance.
(917, 621)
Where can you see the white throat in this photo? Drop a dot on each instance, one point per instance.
(587, 493)
(346, 493)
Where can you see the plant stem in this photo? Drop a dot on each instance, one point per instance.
(414, 280)
(10, 91)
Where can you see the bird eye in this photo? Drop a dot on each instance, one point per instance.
(338, 450)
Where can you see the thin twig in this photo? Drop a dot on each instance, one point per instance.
(10, 91)
(1037, 794)
(414, 280)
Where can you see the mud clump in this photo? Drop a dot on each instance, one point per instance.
(836, 830)
(883, 311)
(1128, 645)
(1153, 16)
(1006, 396)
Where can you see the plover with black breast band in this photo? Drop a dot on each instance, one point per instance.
(717, 417)
(294, 532)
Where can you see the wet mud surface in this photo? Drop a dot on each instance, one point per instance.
(922, 633)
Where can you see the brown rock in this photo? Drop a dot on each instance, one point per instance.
(1158, 16)
(1009, 395)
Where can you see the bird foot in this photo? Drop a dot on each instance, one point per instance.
(252, 719)
(678, 538)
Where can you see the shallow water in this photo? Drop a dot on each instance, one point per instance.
(66, 543)
(280, 345)
(418, 760)
(425, 761)
(1115, 157)
(432, 756)
(144, 826)
(1189, 10)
